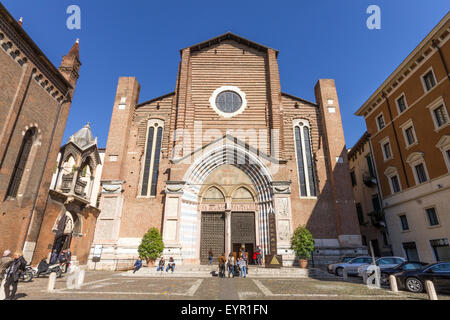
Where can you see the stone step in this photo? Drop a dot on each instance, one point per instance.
(203, 272)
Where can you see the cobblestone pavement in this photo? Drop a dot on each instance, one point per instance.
(111, 285)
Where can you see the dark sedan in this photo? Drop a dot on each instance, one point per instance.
(404, 266)
(414, 281)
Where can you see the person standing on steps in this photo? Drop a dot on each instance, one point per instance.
(230, 265)
(243, 266)
(210, 256)
(222, 262)
(258, 255)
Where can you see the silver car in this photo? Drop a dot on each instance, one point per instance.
(350, 266)
(383, 263)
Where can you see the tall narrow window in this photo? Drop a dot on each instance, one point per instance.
(305, 160)
(152, 156)
(21, 163)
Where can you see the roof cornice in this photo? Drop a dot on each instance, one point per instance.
(228, 36)
(23, 41)
(391, 81)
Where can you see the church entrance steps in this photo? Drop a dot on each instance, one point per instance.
(201, 271)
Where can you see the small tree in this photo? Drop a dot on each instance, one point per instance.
(302, 242)
(151, 245)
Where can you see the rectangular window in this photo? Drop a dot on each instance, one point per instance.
(353, 177)
(387, 150)
(401, 103)
(359, 211)
(440, 115)
(376, 203)
(410, 138)
(421, 174)
(148, 159)
(441, 249)
(432, 217)
(380, 121)
(404, 222)
(395, 184)
(411, 251)
(370, 166)
(300, 164)
(428, 80)
(156, 162)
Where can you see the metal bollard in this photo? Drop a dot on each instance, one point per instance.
(393, 283)
(430, 290)
(51, 282)
(2, 290)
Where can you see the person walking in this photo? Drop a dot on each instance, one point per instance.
(171, 265)
(13, 275)
(222, 263)
(137, 264)
(243, 266)
(230, 265)
(161, 264)
(210, 256)
(5, 262)
(62, 258)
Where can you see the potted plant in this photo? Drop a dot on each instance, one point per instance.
(151, 246)
(302, 243)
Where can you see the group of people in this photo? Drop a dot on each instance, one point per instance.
(161, 265)
(11, 267)
(238, 265)
(63, 258)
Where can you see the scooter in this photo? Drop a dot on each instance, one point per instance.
(45, 269)
(28, 274)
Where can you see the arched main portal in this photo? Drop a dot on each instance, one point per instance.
(259, 180)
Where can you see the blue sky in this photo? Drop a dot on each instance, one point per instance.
(316, 39)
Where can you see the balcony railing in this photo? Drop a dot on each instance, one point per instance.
(79, 189)
(369, 180)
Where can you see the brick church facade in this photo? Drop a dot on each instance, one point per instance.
(226, 160)
(35, 98)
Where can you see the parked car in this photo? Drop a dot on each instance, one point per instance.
(383, 263)
(351, 266)
(414, 280)
(404, 266)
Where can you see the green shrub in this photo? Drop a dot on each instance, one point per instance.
(151, 245)
(302, 242)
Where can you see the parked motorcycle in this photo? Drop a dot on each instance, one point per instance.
(28, 274)
(45, 269)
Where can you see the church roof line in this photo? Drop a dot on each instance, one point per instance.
(299, 99)
(228, 36)
(155, 99)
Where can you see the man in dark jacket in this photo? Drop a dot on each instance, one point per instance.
(13, 275)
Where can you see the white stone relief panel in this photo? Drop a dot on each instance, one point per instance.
(170, 230)
(108, 208)
(284, 230)
(172, 207)
(104, 230)
(283, 207)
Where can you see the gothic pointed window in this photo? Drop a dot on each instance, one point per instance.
(152, 155)
(305, 159)
(21, 163)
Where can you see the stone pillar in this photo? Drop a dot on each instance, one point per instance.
(283, 215)
(171, 220)
(228, 229)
